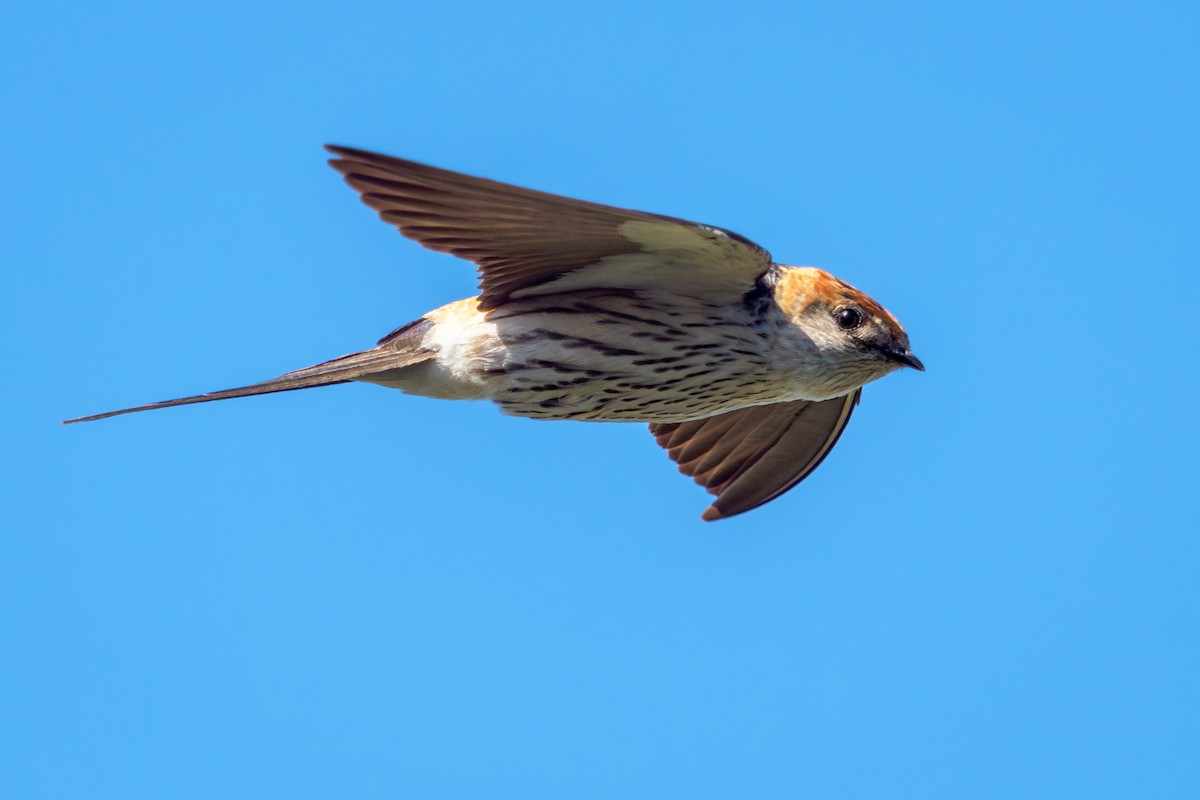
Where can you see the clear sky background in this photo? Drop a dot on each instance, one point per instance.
(989, 590)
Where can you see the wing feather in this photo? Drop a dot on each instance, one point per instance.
(527, 242)
(751, 456)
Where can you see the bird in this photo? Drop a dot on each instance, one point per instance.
(746, 371)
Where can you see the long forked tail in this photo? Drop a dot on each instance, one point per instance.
(339, 370)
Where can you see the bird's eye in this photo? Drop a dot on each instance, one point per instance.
(848, 318)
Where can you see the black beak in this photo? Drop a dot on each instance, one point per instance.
(906, 358)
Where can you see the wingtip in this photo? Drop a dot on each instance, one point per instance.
(339, 154)
(354, 153)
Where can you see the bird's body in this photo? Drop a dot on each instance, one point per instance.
(611, 357)
(746, 370)
(596, 356)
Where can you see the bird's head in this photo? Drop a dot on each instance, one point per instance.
(835, 338)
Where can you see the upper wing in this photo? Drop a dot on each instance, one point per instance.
(750, 456)
(527, 242)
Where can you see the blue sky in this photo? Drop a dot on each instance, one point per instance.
(988, 590)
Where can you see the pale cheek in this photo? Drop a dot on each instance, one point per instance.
(876, 369)
(855, 373)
